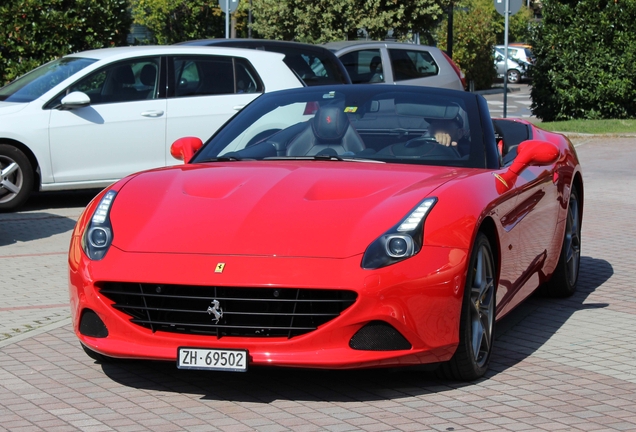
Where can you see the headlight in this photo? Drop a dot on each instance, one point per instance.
(400, 242)
(99, 232)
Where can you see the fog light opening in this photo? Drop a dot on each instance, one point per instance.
(92, 325)
(379, 336)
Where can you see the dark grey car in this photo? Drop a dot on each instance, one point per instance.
(314, 64)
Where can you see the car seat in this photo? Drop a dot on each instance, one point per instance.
(329, 132)
(148, 78)
(376, 74)
(509, 135)
(124, 81)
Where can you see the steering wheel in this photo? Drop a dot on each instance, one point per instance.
(429, 148)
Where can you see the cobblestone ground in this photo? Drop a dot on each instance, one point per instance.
(559, 365)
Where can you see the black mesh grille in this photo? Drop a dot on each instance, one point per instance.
(92, 325)
(249, 312)
(379, 336)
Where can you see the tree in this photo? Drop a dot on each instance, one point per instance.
(586, 60)
(473, 38)
(33, 32)
(316, 21)
(520, 25)
(174, 21)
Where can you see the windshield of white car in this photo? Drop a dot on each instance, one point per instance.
(34, 84)
(396, 124)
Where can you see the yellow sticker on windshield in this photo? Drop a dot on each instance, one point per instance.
(351, 109)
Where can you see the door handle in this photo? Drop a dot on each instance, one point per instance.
(238, 107)
(152, 113)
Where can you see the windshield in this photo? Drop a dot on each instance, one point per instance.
(416, 125)
(34, 84)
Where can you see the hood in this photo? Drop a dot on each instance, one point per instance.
(11, 107)
(275, 208)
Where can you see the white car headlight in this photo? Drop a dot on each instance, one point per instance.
(401, 241)
(98, 235)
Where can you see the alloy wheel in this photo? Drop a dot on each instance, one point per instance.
(11, 179)
(573, 241)
(482, 306)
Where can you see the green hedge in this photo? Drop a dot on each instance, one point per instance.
(586, 60)
(33, 32)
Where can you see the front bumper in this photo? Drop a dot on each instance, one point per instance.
(420, 298)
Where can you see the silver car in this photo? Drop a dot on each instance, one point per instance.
(398, 63)
(517, 70)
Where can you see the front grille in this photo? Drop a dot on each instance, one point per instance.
(247, 312)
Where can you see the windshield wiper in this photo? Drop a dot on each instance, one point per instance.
(225, 159)
(314, 157)
(327, 157)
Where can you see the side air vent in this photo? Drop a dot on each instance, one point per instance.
(379, 336)
(92, 325)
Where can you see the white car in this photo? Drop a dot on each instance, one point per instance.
(398, 63)
(91, 118)
(516, 52)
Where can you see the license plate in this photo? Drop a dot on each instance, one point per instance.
(212, 359)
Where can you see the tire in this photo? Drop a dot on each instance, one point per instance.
(566, 275)
(514, 76)
(99, 358)
(16, 178)
(477, 320)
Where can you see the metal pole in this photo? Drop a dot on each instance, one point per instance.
(449, 31)
(505, 98)
(249, 21)
(227, 19)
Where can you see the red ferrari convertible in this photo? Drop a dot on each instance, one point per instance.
(331, 227)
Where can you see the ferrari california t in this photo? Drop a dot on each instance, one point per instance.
(331, 227)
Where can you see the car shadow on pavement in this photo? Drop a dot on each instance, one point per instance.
(32, 221)
(527, 328)
(264, 385)
(59, 199)
(25, 227)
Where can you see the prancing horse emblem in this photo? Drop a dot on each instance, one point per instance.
(216, 310)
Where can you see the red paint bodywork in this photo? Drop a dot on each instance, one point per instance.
(293, 224)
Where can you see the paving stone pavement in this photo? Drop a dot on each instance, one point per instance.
(559, 365)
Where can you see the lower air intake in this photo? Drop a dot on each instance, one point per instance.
(92, 325)
(378, 336)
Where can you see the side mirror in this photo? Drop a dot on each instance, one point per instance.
(75, 100)
(529, 153)
(184, 148)
(534, 153)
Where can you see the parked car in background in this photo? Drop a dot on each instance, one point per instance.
(314, 64)
(517, 70)
(520, 51)
(90, 118)
(398, 63)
